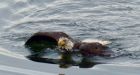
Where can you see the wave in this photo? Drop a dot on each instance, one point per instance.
(22, 71)
(11, 54)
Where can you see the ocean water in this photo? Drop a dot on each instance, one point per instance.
(117, 21)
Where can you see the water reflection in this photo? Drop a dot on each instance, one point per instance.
(61, 74)
(64, 59)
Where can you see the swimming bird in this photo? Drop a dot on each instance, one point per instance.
(66, 43)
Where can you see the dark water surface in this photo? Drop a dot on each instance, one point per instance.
(117, 21)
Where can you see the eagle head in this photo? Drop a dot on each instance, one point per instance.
(65, 44)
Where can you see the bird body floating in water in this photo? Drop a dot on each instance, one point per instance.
(61, 40)
(70, 52)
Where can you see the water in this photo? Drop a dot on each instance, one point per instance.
(115, 20)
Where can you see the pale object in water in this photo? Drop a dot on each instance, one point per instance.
(103, 42)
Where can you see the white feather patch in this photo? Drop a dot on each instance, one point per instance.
(103, 42)
(68, 43)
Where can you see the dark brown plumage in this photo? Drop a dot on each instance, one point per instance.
(86, 49)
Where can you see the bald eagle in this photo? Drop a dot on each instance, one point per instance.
(66, 43)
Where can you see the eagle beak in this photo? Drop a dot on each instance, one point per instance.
(61, 43)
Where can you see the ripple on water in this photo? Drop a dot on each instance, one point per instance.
(117, 21)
